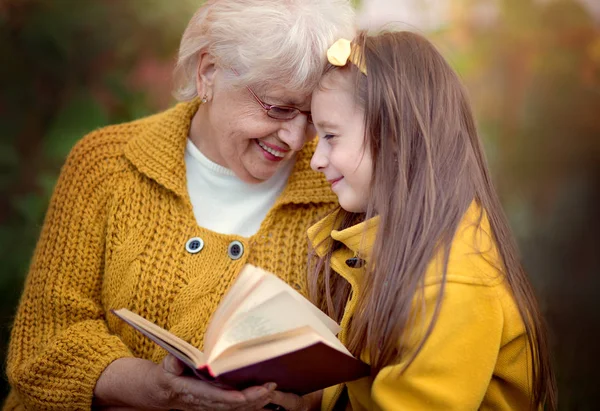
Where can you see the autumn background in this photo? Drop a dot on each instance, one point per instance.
(532, 69)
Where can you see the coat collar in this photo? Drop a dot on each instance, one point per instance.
(358, 238)
(158, 151)
(473, 246)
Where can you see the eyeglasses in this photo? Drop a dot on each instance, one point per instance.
(280, 112)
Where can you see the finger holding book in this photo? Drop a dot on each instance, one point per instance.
(194, 394)
(143, 385)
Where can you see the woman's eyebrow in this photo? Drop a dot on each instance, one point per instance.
(291, 101)
(288, 100)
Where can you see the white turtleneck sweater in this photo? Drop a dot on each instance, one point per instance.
(225, 204)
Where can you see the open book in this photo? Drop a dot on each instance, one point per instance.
(263, 331)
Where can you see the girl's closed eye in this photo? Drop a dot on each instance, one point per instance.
(328, 136)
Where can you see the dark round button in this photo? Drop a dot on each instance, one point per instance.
(194, 245)
(355, 262)
(235, 250)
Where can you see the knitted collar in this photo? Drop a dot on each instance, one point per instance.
(158, 152)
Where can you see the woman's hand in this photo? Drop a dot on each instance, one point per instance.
(143, 385)
(292, 402)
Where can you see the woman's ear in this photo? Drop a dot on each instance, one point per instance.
(205, 75)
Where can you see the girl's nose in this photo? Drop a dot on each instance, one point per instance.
(320, 158)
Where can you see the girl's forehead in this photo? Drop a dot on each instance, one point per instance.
(335, 102)
(336, 79)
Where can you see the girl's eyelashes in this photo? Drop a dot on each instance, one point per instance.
(328, 136)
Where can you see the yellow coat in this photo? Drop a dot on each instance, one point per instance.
(476, 357)
(115, 236)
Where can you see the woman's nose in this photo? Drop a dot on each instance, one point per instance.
(295, 132)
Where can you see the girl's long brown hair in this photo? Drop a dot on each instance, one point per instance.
(428, 166)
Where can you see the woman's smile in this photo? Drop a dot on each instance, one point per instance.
(271, 152)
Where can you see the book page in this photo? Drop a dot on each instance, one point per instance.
(272, 285)
(254, 286)
(280, 313)
(264, 348)
(246, 283)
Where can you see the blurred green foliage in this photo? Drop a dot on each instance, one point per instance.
(69, 67)
(531, 67)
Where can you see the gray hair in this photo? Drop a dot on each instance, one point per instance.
(266, 41)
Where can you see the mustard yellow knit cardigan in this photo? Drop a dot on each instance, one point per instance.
(115, 236)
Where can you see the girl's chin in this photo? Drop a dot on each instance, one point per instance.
(352, 205)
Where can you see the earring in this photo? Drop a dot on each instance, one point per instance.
(204, 99)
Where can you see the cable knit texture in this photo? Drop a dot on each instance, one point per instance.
(114, 236)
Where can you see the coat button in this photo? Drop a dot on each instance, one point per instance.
(235, 250)
(355, 262)
(194, 245)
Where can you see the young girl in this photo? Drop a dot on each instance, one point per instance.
(418, 265)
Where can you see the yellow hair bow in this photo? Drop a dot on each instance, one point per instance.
(343, 50)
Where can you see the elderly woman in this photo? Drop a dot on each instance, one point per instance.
(159, 215)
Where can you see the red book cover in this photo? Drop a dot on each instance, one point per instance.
(300, 372)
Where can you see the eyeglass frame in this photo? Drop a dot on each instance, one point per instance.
(269, 107)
